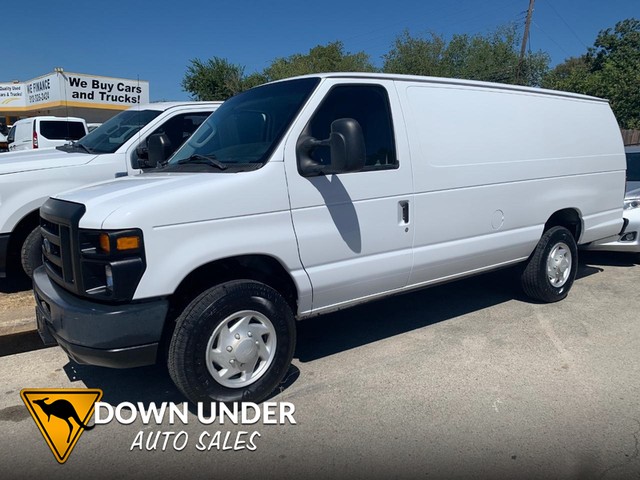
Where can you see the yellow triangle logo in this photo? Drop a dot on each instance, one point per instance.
(61, 415)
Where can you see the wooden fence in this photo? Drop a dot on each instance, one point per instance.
(630, 137)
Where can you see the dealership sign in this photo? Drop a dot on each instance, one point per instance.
(72, 89)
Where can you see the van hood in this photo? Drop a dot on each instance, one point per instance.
(161, 199)
(29, 160)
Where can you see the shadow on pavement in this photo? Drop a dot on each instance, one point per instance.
(20, 343)
(610, 259)
(15, 283)
(144, 384)
(336, 332)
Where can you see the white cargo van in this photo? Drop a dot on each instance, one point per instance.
(117, 148)
(45, 132)
(313, 194)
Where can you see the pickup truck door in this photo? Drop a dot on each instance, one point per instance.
(354, 230)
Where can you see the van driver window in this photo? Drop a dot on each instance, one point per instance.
(369, 105)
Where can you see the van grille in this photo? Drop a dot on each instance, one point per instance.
(59, 226)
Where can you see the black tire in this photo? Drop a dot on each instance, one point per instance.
(31, 252)
(535, 280)
(197, 326)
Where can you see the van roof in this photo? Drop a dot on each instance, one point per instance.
(162, 106)
(50, 117)
(449, 81)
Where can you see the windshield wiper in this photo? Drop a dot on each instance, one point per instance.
(203, 159)
(81, 146)
(75, 146)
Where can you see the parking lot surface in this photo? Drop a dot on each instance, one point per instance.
(464, 380)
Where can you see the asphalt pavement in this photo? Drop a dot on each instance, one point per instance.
(464, 380)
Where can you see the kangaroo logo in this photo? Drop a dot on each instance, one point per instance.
(63, 409)
(61, 415)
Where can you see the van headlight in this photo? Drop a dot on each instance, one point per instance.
(631, 203)
(112, 263)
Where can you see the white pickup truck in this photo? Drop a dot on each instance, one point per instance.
(118, 148)
(4, 131)
(313, 194)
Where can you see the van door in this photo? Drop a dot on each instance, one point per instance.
(354, 230)
(23, 136)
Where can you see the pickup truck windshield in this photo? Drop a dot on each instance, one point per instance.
(245, 130)
(112, 134)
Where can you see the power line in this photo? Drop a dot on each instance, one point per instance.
(567, 24)
(535, 24)
(458, 17)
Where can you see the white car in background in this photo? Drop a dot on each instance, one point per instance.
(633, 166)
(629, 238)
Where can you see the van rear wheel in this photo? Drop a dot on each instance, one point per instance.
(232, 343)
(552, 268)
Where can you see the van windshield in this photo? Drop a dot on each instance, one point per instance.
(245, 130)
(112, 134)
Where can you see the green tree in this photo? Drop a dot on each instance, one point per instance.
(416, 56)
(321, 58)
(218, 79)
(610, 69)
(215, 79)
(493, 57)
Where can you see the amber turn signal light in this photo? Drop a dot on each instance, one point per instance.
(128, 243)
(105, 245)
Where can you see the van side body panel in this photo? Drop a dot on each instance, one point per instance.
(491, 167)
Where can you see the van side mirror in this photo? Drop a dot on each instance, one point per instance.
(3, 129)
(142, 152)
(346, 143)
(159, 149)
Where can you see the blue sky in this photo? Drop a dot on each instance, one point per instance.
(155, 41)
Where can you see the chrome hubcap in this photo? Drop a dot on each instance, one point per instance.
(241, 349)
(559, 265)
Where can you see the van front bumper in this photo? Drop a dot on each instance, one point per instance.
(116, 336)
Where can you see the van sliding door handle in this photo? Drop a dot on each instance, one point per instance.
(404, 206)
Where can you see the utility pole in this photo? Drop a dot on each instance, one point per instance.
(525, 38)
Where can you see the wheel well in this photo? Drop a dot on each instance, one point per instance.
(261, 268)
(20, 232)
(568, 218)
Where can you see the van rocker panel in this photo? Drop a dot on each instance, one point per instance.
(119, 336)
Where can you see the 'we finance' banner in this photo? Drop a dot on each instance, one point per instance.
(74, 89)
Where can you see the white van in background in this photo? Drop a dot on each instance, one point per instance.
(45, 132)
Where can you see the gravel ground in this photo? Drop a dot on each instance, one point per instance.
(16, 307)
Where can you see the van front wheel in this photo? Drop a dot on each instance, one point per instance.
(550, 272)
(232, 343)
(31, 252)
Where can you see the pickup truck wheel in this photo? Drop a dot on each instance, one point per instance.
(232, 343)
(31, 252)
(552, 268)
